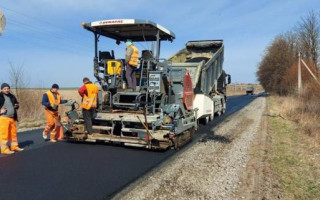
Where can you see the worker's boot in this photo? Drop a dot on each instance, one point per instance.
(18, 149)
(45, 136)
(8, 152)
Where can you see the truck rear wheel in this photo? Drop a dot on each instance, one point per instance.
(223, 106)
(211, 117)
(204, 120)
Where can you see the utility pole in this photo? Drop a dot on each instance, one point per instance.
(299, 75)
(309, 70)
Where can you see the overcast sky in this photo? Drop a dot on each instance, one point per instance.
(46, 37)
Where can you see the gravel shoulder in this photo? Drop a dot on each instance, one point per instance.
(258, 180)
(216, 166)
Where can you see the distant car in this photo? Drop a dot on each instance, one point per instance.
(250, 89)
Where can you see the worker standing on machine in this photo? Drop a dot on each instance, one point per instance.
(51, 101)
(89, 94)
(8, 118)
(132, 59)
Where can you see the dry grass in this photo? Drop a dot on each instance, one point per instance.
(304, 113)
(30, 104)
(240, 89)
(295, 157)
(31, 112)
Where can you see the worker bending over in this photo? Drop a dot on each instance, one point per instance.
(8, 119)
(51, 101)
(132, 59)
(89, 94)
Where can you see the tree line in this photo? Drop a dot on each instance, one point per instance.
(278, 68)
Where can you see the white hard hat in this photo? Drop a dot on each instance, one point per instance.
(128, 42)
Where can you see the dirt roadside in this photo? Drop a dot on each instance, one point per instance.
(257, 180)
(223, 165)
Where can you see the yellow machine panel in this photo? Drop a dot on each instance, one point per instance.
(113, 67)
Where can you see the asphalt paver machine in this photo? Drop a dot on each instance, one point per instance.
(159, 113)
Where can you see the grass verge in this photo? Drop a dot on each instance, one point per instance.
(294, 156)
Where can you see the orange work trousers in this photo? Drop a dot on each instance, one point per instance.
(53, 125)
(8, 133)
(59, 133)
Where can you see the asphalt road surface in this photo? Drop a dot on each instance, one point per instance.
(67, 170)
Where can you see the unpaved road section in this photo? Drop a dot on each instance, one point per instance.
(214, 167)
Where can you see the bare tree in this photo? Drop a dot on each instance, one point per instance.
(293, 41)
(309, 33)
(29, 99)
(17, 77)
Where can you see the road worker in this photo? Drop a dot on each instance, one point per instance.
(51, 101)
(131, 61)
(89, 94)
(8, 119)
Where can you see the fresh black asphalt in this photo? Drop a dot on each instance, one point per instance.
(66, 170)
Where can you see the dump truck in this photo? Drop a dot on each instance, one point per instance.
(204, 61)
(165, 109)
(250, 89)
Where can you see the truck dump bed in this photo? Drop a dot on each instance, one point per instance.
(204, 61)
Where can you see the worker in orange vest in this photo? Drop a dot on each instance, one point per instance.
(8, 118)
(89, 94)
(131, 61)
(51, 101)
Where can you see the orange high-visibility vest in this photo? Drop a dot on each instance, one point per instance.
(134, 59)
(51, 98)
(90, 101)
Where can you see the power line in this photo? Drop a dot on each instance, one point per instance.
(43, 21)
(64, 30)
(40, 33)
(45, 46)
(37, 30)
